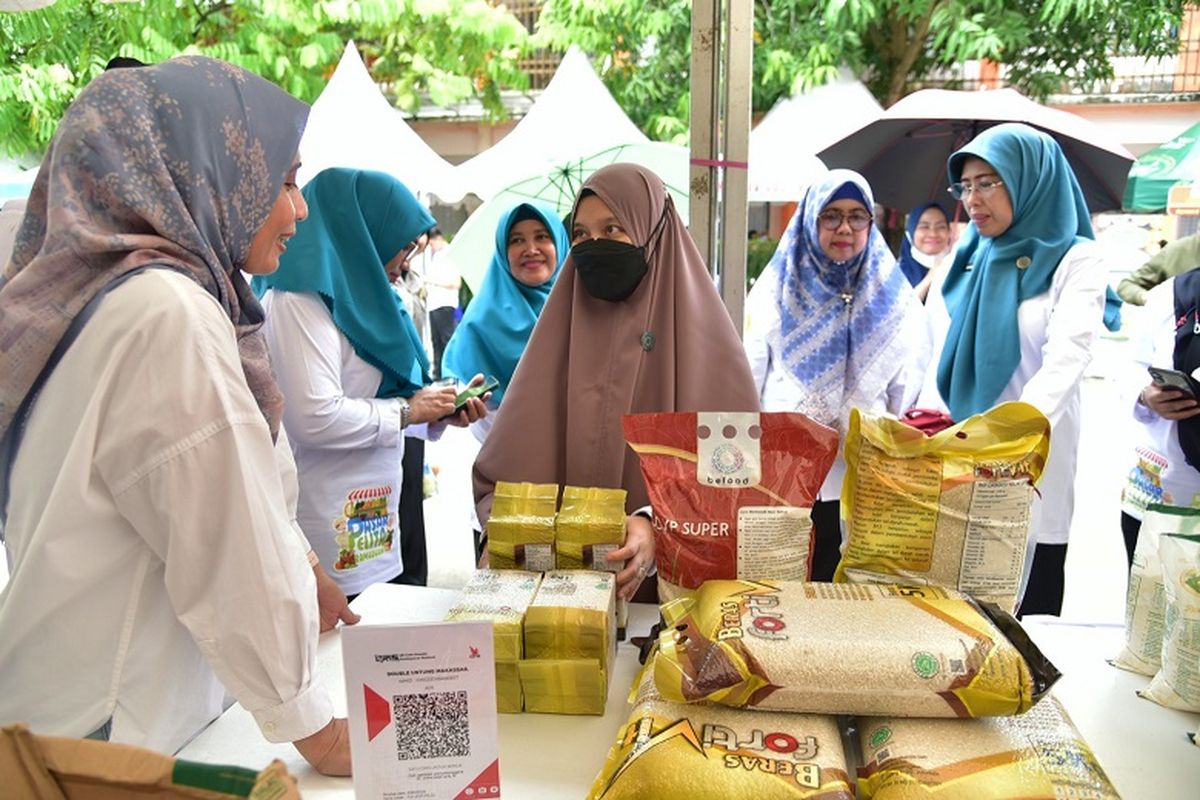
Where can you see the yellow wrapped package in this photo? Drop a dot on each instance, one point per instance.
(672, 751)
(521, 526)
(589, 526)
(572, 616)
(947, 510)
(564, 686)
(1036, 756)
(827, 648)
(502, 596)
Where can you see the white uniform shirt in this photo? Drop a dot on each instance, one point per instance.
(1057, 331)
(347, 442)
(149, 545)
(1160, 473)
(892, 389)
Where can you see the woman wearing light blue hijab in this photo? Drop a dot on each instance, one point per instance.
(352, 370)
(531, 245)
(1026, 299)
(833, 324)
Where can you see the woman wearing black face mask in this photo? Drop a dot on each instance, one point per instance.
(632, 325)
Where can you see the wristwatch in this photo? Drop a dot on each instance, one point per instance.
(405, 412)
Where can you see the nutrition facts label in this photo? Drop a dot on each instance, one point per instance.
(997, 529)
(773, 542)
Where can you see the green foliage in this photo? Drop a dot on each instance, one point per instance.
(758, 255)
(448, 50)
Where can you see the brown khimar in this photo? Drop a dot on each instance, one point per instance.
(587, 362)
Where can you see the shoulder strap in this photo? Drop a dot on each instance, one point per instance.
(12, 439)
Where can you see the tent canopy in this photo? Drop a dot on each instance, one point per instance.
(784, 143)
(574, 116)
(1157, 170)
(353, 125)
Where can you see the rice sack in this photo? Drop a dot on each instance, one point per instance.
(590, 525)
(674, 751)
(1145, 601)
(827, 648)
(521, 527)
(732, 493)
(1177, 682)
(947, 510)
(1038, 755)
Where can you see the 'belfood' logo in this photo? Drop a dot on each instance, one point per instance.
(728, 450)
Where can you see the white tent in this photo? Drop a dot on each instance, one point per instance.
(574, 117)
(353, 125)
(783, 145)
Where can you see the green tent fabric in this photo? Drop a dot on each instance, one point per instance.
(1156, 171)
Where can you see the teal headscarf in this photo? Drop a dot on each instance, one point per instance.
(990, 277)
(357, 222)
(496, 326)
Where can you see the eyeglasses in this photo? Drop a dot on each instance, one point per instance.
(984, 186)
(832, 219)
(414, 248)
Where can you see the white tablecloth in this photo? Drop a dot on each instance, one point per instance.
(1142, 746)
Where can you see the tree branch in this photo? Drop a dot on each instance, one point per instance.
(916, 45)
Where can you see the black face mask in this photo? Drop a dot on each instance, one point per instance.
(610, 270)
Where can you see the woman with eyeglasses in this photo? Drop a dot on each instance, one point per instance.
(1026, 299)
(353, 374)
(926, 244)
(833, 324)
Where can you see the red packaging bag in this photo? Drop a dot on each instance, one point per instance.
(732, 493)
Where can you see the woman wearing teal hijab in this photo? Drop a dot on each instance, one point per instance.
(531, 245)
(1026, 299)
(353, 372)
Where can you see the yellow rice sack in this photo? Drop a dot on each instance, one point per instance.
(521, 527)
(826, 648)
(590, 525)
(1036, 756)
(501, 596)
(573, 616)
(1145, 601)
(1177, 682)
(948, 510)
(564, 686)
(673, 751)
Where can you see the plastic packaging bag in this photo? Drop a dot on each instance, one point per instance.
(1144, 599)
(521, 527)
(732, 493)
(1177, 682)
(951, 509)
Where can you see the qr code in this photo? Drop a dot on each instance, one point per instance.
(432, 725)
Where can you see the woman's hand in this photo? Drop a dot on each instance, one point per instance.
(1168, 403)
(328, 750)
(431, 404)
(637, 553)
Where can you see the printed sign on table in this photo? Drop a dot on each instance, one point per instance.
(422, 711)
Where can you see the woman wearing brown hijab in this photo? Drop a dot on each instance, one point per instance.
(633, 325)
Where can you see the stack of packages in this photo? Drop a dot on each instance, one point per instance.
(521, 526)
(930, 519)
(555, 637)
(570, 643)
(1162, 607)
(501, 596)
(589, 526)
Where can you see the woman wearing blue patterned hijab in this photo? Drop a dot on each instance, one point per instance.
(833, 324)
(1026, 299)
(531, 245)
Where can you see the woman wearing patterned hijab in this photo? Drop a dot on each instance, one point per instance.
(153, 563)
(531, 246)
(632, 325)
(832, 324)
(352, 369)
(1026, 298)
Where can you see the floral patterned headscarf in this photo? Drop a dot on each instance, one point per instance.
(174, 165)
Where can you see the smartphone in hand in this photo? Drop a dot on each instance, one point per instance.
(460, 400)
(1174, 379)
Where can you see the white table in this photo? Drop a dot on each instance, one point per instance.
(1142, 746)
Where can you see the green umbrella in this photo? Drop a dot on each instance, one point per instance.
(1156, 171)
(471, 248)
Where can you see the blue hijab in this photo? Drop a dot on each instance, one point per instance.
(357, 222)
(826, 349)
(914, 270)
(990, 277)
(496, 326)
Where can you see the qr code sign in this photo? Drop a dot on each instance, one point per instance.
(432, 725)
